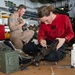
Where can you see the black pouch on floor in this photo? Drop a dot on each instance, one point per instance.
(31, 49)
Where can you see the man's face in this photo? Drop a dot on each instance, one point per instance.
(22, 12)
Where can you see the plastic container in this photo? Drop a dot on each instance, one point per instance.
(73, 56)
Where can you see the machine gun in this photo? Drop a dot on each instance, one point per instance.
(43, 52)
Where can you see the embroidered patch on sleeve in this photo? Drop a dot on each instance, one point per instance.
(11, 20)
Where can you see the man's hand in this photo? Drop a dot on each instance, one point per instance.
(61, 42)
(43, 42)
(22, 23)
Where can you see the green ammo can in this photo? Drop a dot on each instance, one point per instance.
(9, 61)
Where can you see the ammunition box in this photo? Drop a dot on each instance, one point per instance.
(9, 61)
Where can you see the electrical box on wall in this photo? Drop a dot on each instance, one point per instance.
(71, 4)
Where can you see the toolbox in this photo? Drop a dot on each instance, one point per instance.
(9, 61)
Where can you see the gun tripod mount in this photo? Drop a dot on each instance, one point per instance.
(41, 54)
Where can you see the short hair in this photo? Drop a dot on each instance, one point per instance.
(21, 6)
(45, 11)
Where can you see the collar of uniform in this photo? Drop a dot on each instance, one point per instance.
(16, 14)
